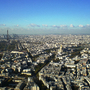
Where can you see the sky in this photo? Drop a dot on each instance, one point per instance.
(45, 16)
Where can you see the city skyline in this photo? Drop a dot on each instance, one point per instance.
(45, 17)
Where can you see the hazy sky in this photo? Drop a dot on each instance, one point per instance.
(45, 16)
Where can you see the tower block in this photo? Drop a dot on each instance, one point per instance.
(7, 35)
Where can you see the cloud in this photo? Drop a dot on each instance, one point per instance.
(53, 25)
(44, 25)
(17, 25)
(56, 26)
(33, 25)
(88, 25)
(63, 25)
(71, 25)
(80, 25)
(2, 24)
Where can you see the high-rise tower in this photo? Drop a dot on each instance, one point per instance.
(7, 34)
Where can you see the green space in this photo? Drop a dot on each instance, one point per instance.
(11, 46)
(76, 52)
(1, 56)
(4, 46)
(33, 42)
(75, 87)
(49, 50)
(56, 60)
(7, 82)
